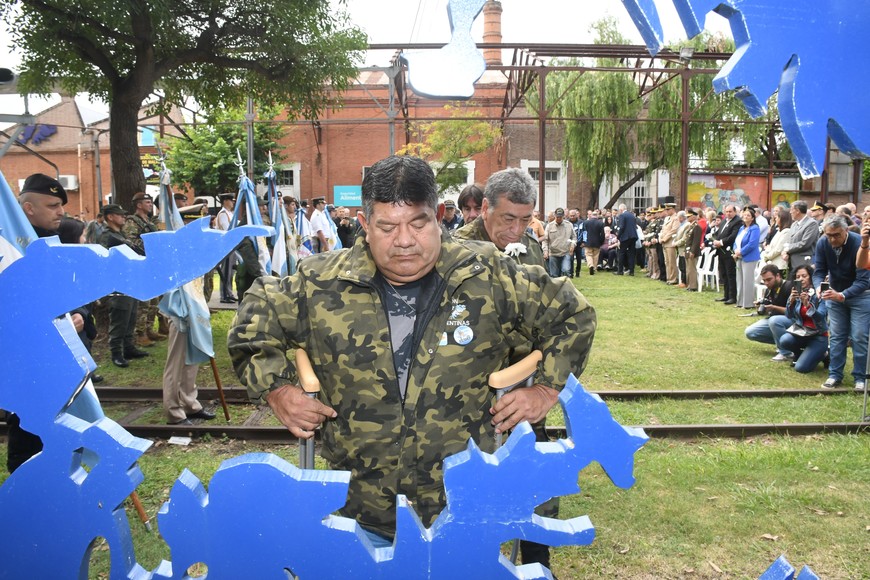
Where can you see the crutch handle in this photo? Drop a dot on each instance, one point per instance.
(311, 386)
(307, 379)
(516, 374)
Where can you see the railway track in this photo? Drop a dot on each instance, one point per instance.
(151, 399)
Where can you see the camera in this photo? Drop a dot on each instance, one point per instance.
(761, 307)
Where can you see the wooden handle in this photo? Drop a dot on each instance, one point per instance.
(517, 373)
(307, 379)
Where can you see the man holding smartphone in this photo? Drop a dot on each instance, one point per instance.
(847, 298)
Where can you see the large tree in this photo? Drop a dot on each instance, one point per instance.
(287, 53)
(205, 159)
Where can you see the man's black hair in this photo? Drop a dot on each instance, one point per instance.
(399, 180)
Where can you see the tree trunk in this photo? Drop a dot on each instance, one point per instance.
(637, 177)
(126, 161)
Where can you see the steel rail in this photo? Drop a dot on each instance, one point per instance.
(240, 395)
(275, 434)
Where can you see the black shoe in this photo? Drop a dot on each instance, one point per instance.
(631, 273)
(135, 353)
(182, 422)
(202, 414)
(227, 301)
(96, 379)
(591, 271)
(729, 302)
(120, 361)
(723, 299)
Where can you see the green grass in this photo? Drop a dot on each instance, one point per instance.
(709, 508)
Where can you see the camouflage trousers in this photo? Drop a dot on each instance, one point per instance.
(148, 312)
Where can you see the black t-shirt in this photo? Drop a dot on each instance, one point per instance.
(402, 306)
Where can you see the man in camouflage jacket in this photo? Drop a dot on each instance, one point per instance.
(475, 306)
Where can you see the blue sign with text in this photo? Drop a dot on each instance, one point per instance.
(349, 195)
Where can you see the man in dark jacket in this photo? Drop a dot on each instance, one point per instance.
(847, 298)
(626, 223)
(594, 229)
(724, 245)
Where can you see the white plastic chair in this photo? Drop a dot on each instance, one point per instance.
(710, 274)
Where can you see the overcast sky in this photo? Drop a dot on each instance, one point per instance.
(406, 21)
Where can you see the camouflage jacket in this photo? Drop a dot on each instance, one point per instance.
(480, 306)
(133, 230)
(534, 255)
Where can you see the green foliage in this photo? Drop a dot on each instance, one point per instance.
(286, 53)
(207, 160)
(282, 52)
(452, 142)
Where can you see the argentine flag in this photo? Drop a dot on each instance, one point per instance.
(16, 233)
(278, 217)
(186, 305)
(249, 199)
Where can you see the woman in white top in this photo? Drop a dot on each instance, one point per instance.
(773, 253)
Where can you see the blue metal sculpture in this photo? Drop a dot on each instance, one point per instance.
(491, 499)
(56, 504)
(782, 570)
(451, 71)
(809, 51)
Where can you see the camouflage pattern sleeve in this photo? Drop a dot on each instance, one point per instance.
(133, 233)
(551, 313)
(266, 333)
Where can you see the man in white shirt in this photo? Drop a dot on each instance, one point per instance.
(225, 267)
(320, 230)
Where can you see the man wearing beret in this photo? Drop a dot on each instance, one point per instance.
(122, 308)
(42, 199)
(138, 223)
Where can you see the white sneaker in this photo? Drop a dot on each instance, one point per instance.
(831, 383)
(781, 358)
(859, 386)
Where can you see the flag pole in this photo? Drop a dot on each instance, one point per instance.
(220, 388)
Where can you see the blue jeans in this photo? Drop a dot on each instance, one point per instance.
(559, 265)
(849, 319)
(809, 350)
(770, 331)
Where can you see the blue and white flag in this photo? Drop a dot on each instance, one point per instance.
(303, 230)
(248, 197)
(16, 233)
(277, 215)
(185, 305)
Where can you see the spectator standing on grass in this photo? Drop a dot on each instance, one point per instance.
(626, 225)
(139, 223)
(781, 223)
(804, 235)
(847, 299)
(668, 240)
(771, 329)
(807, 337)
(320, 226)
(593, 230)
(122, 308)
(558, 245)
(692, 247)
(747, 255)
(724, 244)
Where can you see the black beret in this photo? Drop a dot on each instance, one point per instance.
(39, 183)
(111, 208)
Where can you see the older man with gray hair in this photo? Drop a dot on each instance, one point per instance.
(508, 204)
(846, 290)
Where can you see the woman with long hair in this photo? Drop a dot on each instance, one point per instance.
(807, 337)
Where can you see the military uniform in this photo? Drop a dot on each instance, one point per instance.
(122, 308)
(478, 308)
(476, 230)
(133, 230)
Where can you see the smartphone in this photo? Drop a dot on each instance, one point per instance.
(824, 286)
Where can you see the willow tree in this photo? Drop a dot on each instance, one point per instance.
(601, 147)
(448, 144)
(288, 53)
